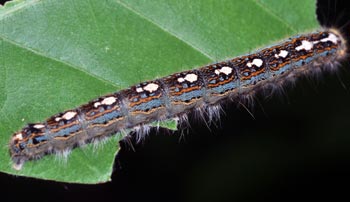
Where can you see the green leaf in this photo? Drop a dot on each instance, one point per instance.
(56, 55)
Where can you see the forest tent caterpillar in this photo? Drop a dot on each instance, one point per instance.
(175, 95)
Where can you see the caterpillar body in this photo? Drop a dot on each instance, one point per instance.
(175, 95)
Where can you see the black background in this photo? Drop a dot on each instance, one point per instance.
(297, 147)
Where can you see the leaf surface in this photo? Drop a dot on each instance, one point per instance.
(57, 55)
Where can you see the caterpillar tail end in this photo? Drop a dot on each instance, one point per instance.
(18, 166)
(17, 162)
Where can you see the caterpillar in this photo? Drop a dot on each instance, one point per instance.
(202, 89)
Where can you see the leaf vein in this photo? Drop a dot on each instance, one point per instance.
(60, 61)
(166, 30)
(273, 14)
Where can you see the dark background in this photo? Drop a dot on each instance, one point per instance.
(297, 146)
